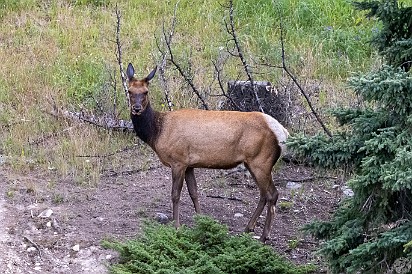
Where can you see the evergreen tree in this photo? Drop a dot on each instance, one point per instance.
(394, 39)
(371, 232)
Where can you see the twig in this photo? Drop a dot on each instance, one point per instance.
(101, 122)
(108, 154)
(114, 86)
(250, 186)
(34, 244)
(224, 94)
(119, 55)
(44, 138)
(286, 69)
(187, 78)
(231, 30)
(224, 197)
(308, 179)
(112, 173)
(167, 39)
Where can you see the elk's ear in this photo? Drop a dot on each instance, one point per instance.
(151, 75)
(130, 71)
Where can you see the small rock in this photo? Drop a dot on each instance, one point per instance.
(162, 218)
(293, 185)
(238, 215)
(55, 224)
(32, 206)
(2, 159)
(31, 249)
(347, 191)
(45, 213)
(48, 224)
(108, 257)
(37, 268)
(76, 248)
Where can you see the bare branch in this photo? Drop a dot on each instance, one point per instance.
(224, 94)
(286, 69)
(108, 154)
(104, 122)
(167, 39)
(119, 56)
(231, 30)
(224, 197)
(185, 76)
(34, 244)
(187, 79)
(45, 137)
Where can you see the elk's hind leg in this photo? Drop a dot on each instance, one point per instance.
(192, 187)
(261, 204)
(268, 195)
(272, 195)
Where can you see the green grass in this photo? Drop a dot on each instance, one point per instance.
(63, 53)
(205, 248)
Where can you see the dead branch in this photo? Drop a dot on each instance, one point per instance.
(286, 69)
(230, 28)
(46, 137)
(167, 39)
(218, 72)
(308, 179)
(33, 244)
(186, 76)
(108, 154)
(105, 122)
(294, 79)
(224, 197)
(119, 55)
(112, 173)
(113, 84)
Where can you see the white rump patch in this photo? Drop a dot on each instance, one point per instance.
(280, 132)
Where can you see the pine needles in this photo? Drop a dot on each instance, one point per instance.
(205, 248)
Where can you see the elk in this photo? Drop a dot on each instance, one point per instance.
(192, 138)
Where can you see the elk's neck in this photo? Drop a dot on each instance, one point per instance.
(148, 125)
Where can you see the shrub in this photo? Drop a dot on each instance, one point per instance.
(205, 248)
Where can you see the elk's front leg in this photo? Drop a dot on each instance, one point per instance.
(177, 184)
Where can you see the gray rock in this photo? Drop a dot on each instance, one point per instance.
(162, 218)
(293, 185)
(347, 191)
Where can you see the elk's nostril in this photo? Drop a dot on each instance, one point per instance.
(136, 109)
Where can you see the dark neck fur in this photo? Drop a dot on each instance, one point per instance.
(147, 125)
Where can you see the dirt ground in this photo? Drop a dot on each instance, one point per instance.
(53, 225)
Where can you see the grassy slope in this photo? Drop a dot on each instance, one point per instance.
(62, 52)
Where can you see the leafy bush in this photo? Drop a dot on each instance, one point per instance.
(205, 248)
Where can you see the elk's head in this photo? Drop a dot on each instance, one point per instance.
(138, 90)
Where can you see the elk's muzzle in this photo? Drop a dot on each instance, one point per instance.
(137, 109)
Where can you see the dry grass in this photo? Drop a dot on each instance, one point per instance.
(61, 53)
